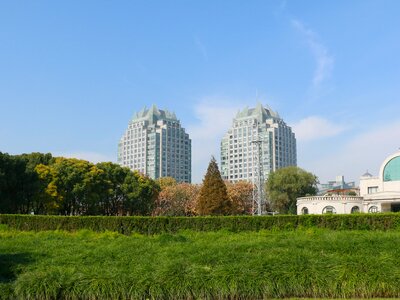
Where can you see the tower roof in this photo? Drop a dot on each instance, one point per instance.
(260, 112)
(153, 114)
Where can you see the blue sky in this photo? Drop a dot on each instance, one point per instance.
(72, 73)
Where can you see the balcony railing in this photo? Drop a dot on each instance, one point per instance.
(331, 198)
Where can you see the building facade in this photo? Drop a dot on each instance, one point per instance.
(238, 150)
(377, 194)
(155, 144)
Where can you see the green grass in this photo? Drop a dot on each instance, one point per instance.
(199, 265)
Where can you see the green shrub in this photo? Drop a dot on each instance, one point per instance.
(156, 225)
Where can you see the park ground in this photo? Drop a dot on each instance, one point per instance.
(302, 263)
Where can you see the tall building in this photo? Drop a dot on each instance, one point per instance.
(155, 144)
(238, 150)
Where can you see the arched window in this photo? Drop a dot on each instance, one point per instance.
(373, 209)
(391, 171)
(355, 210)
(304, 211)
(329, 210)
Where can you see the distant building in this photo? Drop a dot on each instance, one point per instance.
(250, 124)
(377, 194)
(339, 186)
(155, 144)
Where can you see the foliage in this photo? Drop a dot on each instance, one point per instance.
(156, 225)
(147, 193)
(180, 199)
(192, 265)
(241, 195)
(73, 184)
(164, 182)
(213, 198)
(20, 186)
(42, 184)
(177, 200)
(285, 185)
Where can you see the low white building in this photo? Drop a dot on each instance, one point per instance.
(377, 194)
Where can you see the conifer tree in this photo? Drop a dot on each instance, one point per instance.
(213, 198)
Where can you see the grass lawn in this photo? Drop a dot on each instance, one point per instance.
(198, 265)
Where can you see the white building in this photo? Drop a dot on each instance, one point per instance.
(250, 124)
(155, 144)
(377, 194)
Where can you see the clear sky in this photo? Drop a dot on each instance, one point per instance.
(72, 73)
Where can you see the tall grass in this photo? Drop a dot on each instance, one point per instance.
(313, 263)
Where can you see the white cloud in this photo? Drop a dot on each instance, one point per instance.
(323, 58)
(314, 127)
(365, 151)
(214, 117)
(89, 156)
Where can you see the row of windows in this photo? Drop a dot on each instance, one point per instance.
(240, 176)
(136, 124)
(135, 143)
(331, 210)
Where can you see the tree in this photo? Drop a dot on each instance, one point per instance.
(213, 198)
(177, 200)
(20, 187)
(33, 188)
(164, 182)
(285, 185)
(141, 192)
(241, 195)
(12, 179)
(78, 187)
(46, 185)
(114, 197)
(74, 185)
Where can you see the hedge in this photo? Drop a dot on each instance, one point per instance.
(156, 225)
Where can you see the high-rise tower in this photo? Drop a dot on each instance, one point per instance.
(155, 144)
(276, 139)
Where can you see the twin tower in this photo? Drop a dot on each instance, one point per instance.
(156, 144)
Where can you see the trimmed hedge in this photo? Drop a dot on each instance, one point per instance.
(156, 225)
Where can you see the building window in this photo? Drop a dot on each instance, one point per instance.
(304, 211)
(329, 210)
(391, 171)
(355, 210)
(372, 189)
(373, 209)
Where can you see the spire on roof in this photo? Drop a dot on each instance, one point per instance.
(243, 113)
(367, 174)
(153, 111)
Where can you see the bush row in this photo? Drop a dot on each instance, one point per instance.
(156, 225)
